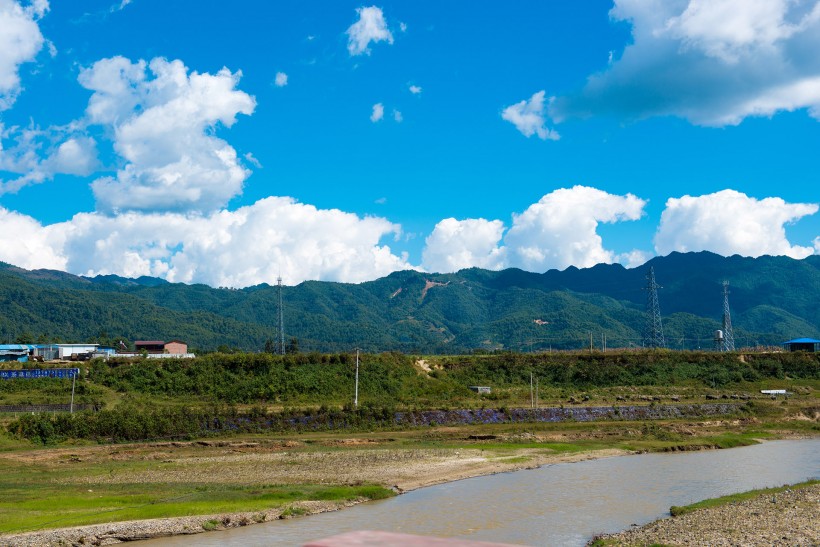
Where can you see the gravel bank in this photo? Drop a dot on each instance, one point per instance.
(788, 518)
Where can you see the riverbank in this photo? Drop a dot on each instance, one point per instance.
(779, 516)
(104, 494)
(405, 470)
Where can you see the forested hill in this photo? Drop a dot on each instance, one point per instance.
(772, 300)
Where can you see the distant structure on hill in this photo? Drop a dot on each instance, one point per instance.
(174, 347)
(653, 331)
(802, 344)
(53, 352)
(14, 352)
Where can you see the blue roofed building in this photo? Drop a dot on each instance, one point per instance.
(15, 352)
(802, 344)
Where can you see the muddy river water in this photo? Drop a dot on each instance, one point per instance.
(561, 504)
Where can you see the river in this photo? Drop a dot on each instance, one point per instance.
(561, 504)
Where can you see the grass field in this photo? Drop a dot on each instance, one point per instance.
(41, 492)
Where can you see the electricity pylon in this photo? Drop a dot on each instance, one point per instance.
(653, 332)
(728, 335)
(281, 343)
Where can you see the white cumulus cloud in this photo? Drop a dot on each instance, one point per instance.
(252, 160)
(528, 117)
(712, 62)
(415, 89)
(163, 119)
(378, 112)
(730, 29)
(281, 79)
(75, 156)
(730, 222)
(20, 41)
(371, 27)
(238, 248)
(39, 154)
(457, 244)
(26, 243)
(633, 258)
(558, 231)
(561, 229)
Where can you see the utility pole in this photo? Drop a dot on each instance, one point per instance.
(536, 393)
(356, 393)
(653, 331)
(73, 383)
(532, 400)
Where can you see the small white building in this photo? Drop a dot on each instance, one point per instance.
(65, 351)
(158, 355)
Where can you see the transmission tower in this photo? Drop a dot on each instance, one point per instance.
(653, 332)
(728, 335)
(281, 341)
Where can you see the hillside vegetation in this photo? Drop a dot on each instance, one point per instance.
(773, 299)
(147, 398)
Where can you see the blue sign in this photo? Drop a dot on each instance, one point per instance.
(40, 373)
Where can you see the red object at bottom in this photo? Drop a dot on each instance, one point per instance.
(368, 538)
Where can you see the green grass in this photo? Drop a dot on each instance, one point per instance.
(734, 440)
(609, 542)
(294, 512)
(515, 459)
(37, 504)
(677, 510)
(725, 440)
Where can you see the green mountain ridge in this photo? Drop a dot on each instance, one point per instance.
(772, 299)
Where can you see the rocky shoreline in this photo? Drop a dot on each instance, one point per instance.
(787, 518)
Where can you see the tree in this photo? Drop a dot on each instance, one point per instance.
(270, 346)
(293, 346)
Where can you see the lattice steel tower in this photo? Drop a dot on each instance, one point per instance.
(728, 335)
(653, 332)
(281, 341)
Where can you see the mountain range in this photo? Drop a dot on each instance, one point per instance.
(772, 299)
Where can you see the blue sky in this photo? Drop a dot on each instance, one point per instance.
(155, 138)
